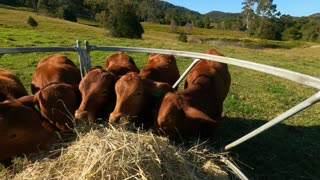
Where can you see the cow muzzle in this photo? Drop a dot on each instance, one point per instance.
(79, 115)
(120, 119)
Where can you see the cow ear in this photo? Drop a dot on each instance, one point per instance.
(157, 89)
(193, 113)
(30, 100)
(95, 67)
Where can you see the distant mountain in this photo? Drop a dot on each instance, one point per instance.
(218, 15)
(315, 16)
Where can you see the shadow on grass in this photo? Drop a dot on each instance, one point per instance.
(282, 152)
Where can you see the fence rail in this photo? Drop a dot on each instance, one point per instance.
(85, 65)
(76, 48)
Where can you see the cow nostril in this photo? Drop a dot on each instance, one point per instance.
(81, 114)
(12, 136)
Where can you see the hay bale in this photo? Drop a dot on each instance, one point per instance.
(107, 153)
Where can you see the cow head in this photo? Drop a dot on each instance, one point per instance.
(57, 103)
(136, 98)
(120, 63)
(98, 97)
(21, 130)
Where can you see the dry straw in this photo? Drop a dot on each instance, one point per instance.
(95, 152)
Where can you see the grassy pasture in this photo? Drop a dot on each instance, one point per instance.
(287, 151)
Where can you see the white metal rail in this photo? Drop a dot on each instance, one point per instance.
(76, 48)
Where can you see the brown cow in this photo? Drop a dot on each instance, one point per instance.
(97, 87)
(161, 68)
(137, 100)
(55, 68)
(119, 64)
(98, 96)
(10, 86)
(196, 109)
(57, 103)
(55, 88)
(215, 77)
(21, 130)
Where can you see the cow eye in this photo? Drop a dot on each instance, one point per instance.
(105, 92)
(138, 94)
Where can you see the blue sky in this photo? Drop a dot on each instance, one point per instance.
(292, 7)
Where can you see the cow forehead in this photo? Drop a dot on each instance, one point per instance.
(96, 76)
(129, 83)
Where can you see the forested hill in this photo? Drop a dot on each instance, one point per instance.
(112, 14)
(217, 16)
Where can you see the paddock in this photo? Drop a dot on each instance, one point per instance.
(303, 79)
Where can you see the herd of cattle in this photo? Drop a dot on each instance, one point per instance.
(119, 94)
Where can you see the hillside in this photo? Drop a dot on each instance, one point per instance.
(286, 151)
(217, 16)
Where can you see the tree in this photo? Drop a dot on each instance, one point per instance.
(248, 12)
(265, 9)
(123, 20)
(311, 31)
(291, 33)
(257, 14)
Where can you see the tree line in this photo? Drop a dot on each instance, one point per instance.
(259, 18)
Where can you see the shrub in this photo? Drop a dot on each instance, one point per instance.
(123, 22)
(32, 22)
(66, 14)
(182, 37)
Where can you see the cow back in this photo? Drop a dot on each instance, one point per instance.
(55, 68)
(10, 86)
(210, 81)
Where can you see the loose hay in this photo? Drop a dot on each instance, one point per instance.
(107, 153)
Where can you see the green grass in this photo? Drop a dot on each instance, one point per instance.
(287, 151)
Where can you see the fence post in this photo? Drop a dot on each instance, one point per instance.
(185, 73)
(296, 109)
(87, 55)
(80, 53)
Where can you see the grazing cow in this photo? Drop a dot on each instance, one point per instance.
(55, 68)
(197, 109)
(137, 100)
(10, 86)
(57, 103)
(97, 87)
(119, 64)
(98, 96)
(21, 130)
(161, 68)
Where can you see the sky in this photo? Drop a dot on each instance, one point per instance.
(291, 7)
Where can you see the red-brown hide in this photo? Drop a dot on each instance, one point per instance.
(161, 68)
(214, 79)
(55, 87)
(137, 100)
(10, 86)
(98, 96)
(57, 103)
(120, 63)
(55, 68)
(197, 109)
(21, 131)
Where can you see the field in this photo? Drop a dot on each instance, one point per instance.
(289, 150)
